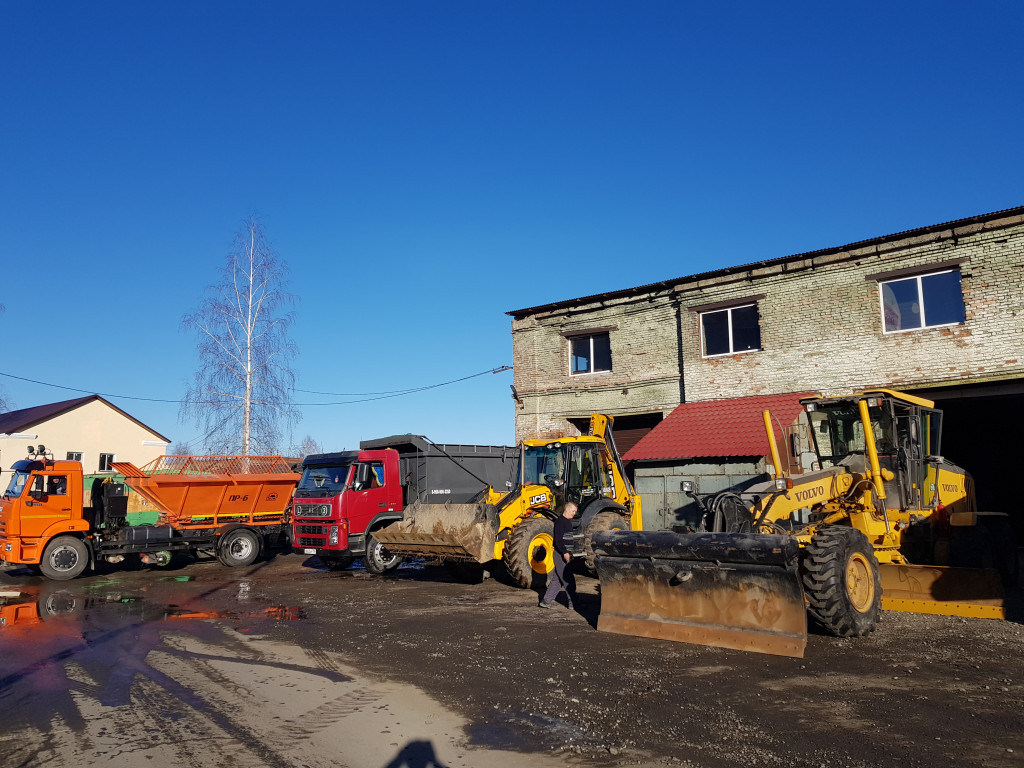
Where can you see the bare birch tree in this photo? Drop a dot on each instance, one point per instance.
(307, 446)
(241, 395)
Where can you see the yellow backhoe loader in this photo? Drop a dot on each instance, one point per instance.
(881, 521)
(516, 526)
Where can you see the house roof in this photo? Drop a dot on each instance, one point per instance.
(718, 428)
(1011, 215)
(19, 421)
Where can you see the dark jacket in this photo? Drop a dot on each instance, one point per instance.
(563, 534)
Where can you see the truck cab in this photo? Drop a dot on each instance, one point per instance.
(340, 499)
(43, 500)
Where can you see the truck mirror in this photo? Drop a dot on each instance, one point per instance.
(38, 495)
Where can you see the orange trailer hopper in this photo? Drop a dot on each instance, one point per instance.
(209, 491)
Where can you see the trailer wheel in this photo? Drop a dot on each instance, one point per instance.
(842, 582)
(238, 548)
(603, 521)
(377, 559)
(529, 553)
(64, 558)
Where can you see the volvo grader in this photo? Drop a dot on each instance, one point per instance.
(880, 520)
(516, 527)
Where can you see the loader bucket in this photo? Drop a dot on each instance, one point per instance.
(460, 532)
(971, 592)
(728, 590)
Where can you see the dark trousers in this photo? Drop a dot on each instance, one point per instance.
(561, 579)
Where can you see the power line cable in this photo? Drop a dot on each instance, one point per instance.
(378, 395)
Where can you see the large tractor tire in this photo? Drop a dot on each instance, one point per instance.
(842, 582)
(529, 554)
(238, 548)
(606, 520)
(65, 558)
(377, 559)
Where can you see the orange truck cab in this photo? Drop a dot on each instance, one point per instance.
(46, 524)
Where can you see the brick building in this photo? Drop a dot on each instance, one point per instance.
(937, 310)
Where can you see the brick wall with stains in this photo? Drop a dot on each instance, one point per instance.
(821, 329)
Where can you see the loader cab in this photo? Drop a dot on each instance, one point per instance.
(571, 471)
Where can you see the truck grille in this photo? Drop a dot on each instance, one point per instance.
(305, 542)
(311, 510)
(314, 530)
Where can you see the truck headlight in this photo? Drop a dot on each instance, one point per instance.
(332, 537)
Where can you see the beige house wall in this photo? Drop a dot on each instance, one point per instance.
(90, 429)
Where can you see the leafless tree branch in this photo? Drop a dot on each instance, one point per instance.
(240, 396)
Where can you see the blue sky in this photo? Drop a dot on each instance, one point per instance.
(424, 167)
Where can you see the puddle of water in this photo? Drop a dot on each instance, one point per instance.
(86, 607)
(507, 729)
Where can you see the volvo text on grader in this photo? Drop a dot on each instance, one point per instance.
(516, 527)
(883, 521)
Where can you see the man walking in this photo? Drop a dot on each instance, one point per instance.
(561, 578)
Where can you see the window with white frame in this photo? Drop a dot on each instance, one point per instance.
(105, 461)
(922, 301)
(74, 456)
(730, 330)
(591, 353)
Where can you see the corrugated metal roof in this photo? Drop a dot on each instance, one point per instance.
(665, 284)
(718, 428)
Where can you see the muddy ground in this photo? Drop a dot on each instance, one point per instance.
(497, 675)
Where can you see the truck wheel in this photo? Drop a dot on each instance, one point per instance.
(64, 558)
(603, 521)
(339, 563)
(842, 582)
(238, 548)
(377, 559)
(530, 551)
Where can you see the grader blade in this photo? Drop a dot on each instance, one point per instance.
(721, 589)
(971, 592)
(458, 532)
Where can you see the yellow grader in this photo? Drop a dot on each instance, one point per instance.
(516, 527)
(881, 520)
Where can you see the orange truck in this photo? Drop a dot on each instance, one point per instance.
(232, 507)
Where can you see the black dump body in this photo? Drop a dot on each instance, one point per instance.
(434, 473)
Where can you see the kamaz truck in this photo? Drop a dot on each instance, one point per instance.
(228, 506)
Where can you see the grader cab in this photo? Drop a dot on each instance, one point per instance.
(881, 520)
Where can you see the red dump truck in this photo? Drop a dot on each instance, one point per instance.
(229, 506)
(344, 497)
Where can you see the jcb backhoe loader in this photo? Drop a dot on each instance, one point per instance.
(881, 521)
(516, 527)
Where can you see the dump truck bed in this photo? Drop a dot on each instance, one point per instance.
(210, 491)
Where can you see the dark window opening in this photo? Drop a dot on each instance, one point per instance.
(732, 330)
(591, 354)
(923, 301)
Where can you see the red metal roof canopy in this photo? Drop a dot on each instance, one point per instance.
(718, 428)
